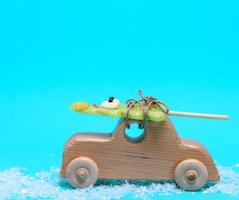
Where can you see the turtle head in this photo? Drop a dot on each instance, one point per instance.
(79, 105)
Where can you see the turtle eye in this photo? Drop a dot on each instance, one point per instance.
(111, 99)
(111, 103)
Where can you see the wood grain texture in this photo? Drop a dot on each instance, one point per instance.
(153, 158)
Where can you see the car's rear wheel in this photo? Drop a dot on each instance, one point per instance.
(82, 172)
(191, 174)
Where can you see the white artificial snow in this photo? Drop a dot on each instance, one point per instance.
(16, 183)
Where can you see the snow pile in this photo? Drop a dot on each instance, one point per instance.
(17, 183)
(229, 183)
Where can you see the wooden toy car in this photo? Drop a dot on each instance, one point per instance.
(157, 154)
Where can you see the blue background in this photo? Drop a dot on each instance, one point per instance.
(53, 53)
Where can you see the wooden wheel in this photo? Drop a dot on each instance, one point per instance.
(191, 174)
(82, 172)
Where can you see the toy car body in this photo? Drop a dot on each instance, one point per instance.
(158, 154)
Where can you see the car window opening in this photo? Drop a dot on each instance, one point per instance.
(134, 133)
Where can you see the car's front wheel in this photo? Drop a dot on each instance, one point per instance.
(82, 172)
(191, 174)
